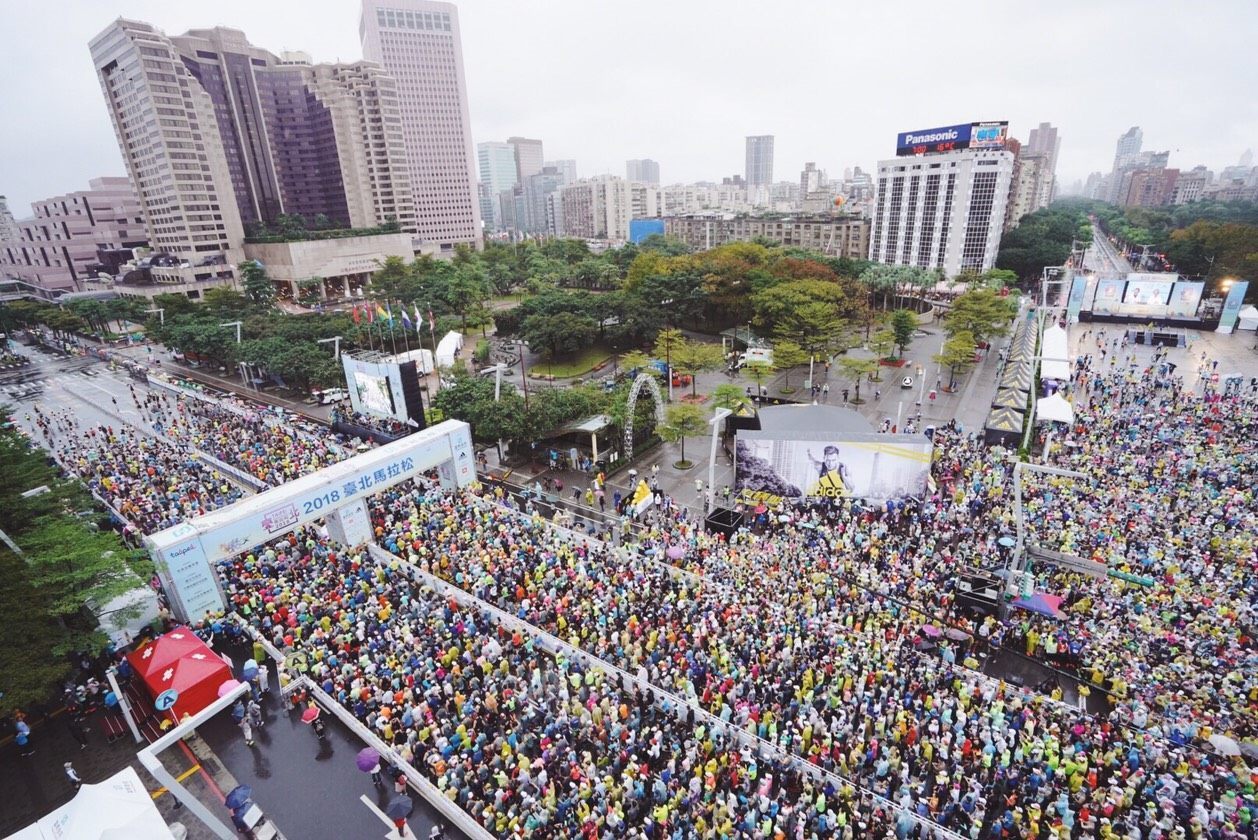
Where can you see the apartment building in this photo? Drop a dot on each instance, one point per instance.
(838, 236)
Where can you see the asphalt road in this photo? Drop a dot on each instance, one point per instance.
(310, 788)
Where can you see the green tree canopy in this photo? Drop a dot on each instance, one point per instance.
(683, 420)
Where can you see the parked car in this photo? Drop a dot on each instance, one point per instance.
(329, 396)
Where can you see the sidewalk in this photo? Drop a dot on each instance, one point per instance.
(36, 785)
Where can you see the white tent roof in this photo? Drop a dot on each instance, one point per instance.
(119, 808)
(1247, 317)
(1055, 353)
(448, 347)
(1054, 408)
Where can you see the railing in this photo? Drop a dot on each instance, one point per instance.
(459, 818)
(670, 703)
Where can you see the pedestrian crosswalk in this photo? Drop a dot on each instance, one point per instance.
(33, 386)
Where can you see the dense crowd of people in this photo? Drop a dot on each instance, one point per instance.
(775, 639)
(530, 743)
(269, 448)
(807, 630)
(152, 484)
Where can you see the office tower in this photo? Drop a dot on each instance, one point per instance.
(166, 129)
(1128, 147)
(71, 238)
(528, 157)
(645, 171)
(759, 164)
(497, 164)
(1045, 142)
(418, 44)
(538, 190)
(566, 168)
(941, 210)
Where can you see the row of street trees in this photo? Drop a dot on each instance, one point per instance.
(65, 563)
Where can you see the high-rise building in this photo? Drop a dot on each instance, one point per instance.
(538, 189)
(320, 141)
(1045, 142)
(166, 128)
(418, 43)
(497, 172)
(811, 179)
(566, 168)
(645, 171)
(759, 164)
(1092, 187)
(71, 238)
(1026, 183)
(598, 208)
(1128, 147)
(528, 157)
(255, 137)
(943, 210)
(1190, 185)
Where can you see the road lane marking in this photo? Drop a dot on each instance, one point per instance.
(185, 774)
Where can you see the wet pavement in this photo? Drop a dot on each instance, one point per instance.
(310, 788)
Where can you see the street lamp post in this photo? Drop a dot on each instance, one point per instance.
(235, 324)
(161, 313)
(717, 419)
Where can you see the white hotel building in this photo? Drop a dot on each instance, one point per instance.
(943, 210)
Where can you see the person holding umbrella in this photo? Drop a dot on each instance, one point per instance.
(311, 716)
(368, 761)
(398, 810)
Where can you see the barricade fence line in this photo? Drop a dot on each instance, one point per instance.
(671, 703)
(459, 818)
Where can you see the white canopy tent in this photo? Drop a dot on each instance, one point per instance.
(119, 808)
(1054, 408)
(448, 348)
(1055, 354)
(1247, 318)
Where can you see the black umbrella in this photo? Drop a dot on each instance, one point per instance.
(400, 808)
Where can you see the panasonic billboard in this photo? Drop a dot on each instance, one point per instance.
(978, 135)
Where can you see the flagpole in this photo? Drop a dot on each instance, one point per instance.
(406, 338)
(371, 345)
(392, 335)
(432, 330)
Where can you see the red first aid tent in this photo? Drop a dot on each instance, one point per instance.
(164, 651)
(181, 661)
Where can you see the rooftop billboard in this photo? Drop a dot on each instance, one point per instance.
(949, 138)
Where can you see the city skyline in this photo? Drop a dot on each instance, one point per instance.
(674, 112)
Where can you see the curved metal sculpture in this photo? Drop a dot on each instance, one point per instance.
(647, 380)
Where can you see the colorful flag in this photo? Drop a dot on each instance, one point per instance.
(355, 314)
(371, 313)
(388, 306)
(419, 319)
(406, 320)
(432, 322)
(380, 311)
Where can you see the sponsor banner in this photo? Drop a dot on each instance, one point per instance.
(1077, 289)
(875, 467)
(375, 388)
(190, 579)
(1185, 298)
(1232, 305)
(1109, 296)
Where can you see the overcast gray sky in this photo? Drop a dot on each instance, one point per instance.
(683, 81)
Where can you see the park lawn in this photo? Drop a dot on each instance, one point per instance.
(576, 364)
